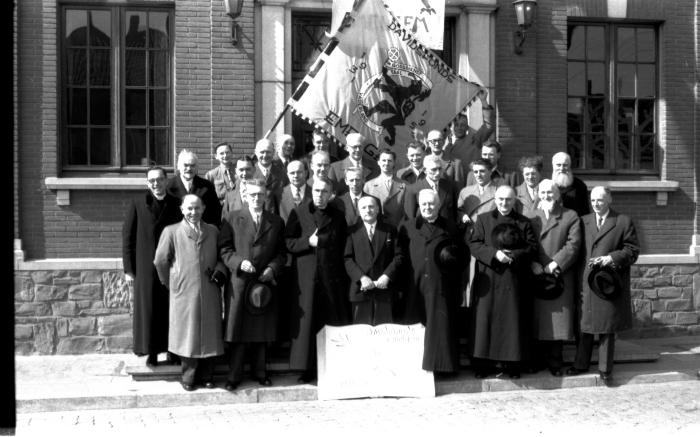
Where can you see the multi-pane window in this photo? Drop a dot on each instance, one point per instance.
(612, 92)
(116, 87)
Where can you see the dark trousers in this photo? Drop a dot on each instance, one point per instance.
(196, 369)
(258, 360)
(550, 353)
(374, 310)
(606, 352)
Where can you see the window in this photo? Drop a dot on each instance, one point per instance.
(116, 85)
(612, 92)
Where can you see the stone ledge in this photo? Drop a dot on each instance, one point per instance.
(661, 188)
(70, 264)
(63, 186)
(667, 259)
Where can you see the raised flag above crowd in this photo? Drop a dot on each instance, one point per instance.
(374, 77)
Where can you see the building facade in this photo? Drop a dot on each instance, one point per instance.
(104, 88)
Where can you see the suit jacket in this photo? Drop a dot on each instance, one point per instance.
(285, 200)
(468, 148)
(234, 202)
(276, 177)
(222, 184)
(617, 238)
(391, 200)
(446, 192)
(409, 176)
(453, 169)
(321, 294)
(145, 220)
(345, 204)
(471, 203)
(264, 247)
(202, 188)
(370, 170)
(525, 205)
(560, 240)
(381, 256)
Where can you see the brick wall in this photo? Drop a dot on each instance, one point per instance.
(213, 98)
(532, 87)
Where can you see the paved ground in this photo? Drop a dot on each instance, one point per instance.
(663, 409)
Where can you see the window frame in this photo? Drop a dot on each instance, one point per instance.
(611, 98)
(118, 10)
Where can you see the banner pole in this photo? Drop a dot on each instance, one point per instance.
(279, 118)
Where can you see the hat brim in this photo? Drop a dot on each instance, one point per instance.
(605, 282)
(265, 301)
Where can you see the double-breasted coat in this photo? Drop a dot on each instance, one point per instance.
(617, 238)
(183, 260)
(391, 199)
(321, 282)
(264, 247)
(560, 241)
(502, 305)
(433, 293)
(145, 220)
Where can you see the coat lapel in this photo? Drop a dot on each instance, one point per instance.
(553, 221)
(378, 241)
(608, 225)
(264, 226)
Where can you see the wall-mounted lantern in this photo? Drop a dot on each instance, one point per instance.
(525, 14)
(233, 10)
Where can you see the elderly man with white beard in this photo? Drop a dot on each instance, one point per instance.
(574, 193)
(559, 234)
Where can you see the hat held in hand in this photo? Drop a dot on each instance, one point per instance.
(605, 282)
(257, 298)
(547, 286)
(507, 236)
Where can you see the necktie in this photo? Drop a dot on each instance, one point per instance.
(265, 172)
(387, 182)
(370, 232)
(296, 194)
(354, 203)
(600, 222)
(227, 178)
(256, 220)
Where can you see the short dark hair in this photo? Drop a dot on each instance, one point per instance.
(245, 158)
(492, 143)
(459, 117)
(484, 162)
(416, 145)
(536, 162)
(157, 167)
(229, 145)
(388, 151)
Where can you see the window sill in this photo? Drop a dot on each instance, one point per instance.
(661, 188)
(63, 186)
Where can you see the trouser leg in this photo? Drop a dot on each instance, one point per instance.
(235, 363)
(584, 349)
(189, 369)
(258, 359)
(554, 354)
(606, 352)
(205, 369)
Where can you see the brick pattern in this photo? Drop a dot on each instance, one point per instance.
(72, 312)
(82, 312)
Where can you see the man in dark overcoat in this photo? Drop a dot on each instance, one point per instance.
(574, 193)
(560, 239)
(503, 244)
(373, 262)
(315, 236)
(433, 293)
(251, 245)
(296, 191)
(145, 220)
(610, 241)
(186, 181)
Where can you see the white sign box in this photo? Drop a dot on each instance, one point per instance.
(360, 361)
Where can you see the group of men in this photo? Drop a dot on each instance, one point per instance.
(296, 243)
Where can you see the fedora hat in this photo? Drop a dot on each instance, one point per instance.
(605, 282)
(448, 255)
(547, 286)
(507, 236)
(258, 297)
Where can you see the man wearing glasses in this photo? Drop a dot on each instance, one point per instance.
(452, 167)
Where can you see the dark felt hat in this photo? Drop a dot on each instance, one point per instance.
(448, 256)
(258, 297)
(605, 282)
(547, 286)
(507, 236)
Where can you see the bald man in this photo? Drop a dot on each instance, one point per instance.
(186, 181)
(433, 290)
(504, 244)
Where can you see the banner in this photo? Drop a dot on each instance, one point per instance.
(375, 78)
(423, 18)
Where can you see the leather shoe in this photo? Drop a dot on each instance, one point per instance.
(171, 358)
(264, 381)
(573, 371)
(152, 360)
(209, 384)
(606, 377)
(231, 385)
(555, 372)
(188, 387)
